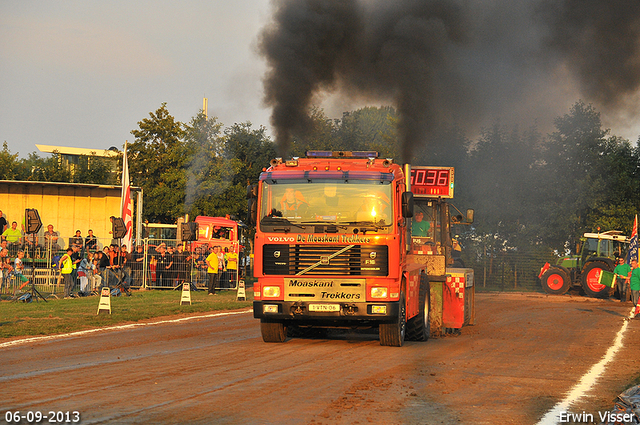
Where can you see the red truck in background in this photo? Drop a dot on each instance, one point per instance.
(333, 248)
(229, 235)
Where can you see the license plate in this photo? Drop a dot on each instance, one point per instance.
(324, 307)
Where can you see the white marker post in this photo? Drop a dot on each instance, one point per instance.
(241, 296)
(105, 301)
(186, 294)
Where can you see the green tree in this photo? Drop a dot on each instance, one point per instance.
(51, 169)
(252, 148)
(157, 160)
(8, 163)
(502, 188)
(620, 202)
(574, 175)
(209, 175)
(319, 135)
(95, 170)
(369, 128)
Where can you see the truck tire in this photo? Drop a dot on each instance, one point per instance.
(392, 334)
(419, 326)
(273, 331)
(555, 281)
(590, 282)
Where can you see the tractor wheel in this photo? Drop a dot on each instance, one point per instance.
(273, 331)
(392, 334)
(419, 326)
(590, 283)
(555, 281)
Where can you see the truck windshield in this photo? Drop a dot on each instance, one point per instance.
(300, 203)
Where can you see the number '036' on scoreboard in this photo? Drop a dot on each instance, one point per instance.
(432, 181)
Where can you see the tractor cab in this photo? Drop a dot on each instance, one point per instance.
(604, 246)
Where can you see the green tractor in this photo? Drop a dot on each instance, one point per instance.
(598, 252)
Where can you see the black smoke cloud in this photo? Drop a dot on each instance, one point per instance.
(454, 61)
(600, 42)
(304, 45)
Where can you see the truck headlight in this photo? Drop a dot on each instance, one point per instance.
(379, 292)
(269, 308)
(378, 309)
(271, 291)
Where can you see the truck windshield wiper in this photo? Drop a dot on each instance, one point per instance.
(367, 225)
(279, 221)
(324, 223)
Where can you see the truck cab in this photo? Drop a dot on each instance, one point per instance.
(331, 246)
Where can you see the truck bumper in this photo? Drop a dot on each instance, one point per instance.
(359, 313)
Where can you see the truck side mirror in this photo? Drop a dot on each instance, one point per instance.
(407, 204)
(252, 205)
(470, 213)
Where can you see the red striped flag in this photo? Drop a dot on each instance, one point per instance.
(125, 201)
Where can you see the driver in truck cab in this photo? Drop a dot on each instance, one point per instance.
(292, 200)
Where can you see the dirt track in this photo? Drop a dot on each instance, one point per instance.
(525, 353)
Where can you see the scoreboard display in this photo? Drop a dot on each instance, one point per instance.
(432, 182)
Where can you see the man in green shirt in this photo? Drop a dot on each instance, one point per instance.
(420, 227)
(622, 272)
(13, 236)
(634, 284)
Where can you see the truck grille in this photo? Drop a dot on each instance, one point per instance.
(359, 260)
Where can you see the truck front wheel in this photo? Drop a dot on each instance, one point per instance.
(392, 334)
(555, 281)
(273, 331)
(590, 280)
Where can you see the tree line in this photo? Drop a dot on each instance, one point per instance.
(529, 190)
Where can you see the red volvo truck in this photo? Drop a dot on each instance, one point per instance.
(333, 248)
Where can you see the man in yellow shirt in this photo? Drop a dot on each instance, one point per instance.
(65, 265)
(212, 270)
(232, 266)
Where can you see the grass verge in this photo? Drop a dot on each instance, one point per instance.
(18, 319)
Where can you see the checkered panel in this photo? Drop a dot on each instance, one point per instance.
(457, 284)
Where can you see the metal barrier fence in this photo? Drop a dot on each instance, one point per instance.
(157, 272)
(507, 271)
(157, 264)
(494, 270)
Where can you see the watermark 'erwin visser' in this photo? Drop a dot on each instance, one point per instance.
(584, 417)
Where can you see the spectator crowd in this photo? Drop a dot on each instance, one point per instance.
(87, 263)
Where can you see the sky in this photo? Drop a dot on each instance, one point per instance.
(84, 73)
